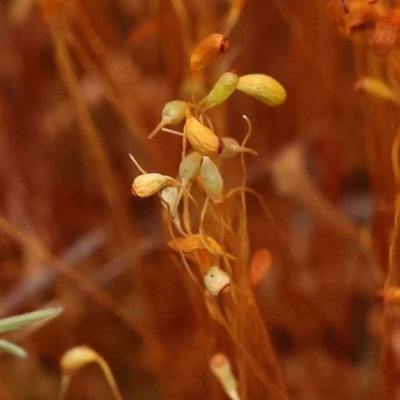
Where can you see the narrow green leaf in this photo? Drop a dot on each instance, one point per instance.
(20, 321)
(12, 348)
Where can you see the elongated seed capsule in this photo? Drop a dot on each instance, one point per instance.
(216, 280)
(172, 113)
(263, 88)
(207, 50)
(376, 88)
(233, 148)
(224, 88)
(221, 368)
(202, 139)
(147, 184)
(211, 180)
(189, 167)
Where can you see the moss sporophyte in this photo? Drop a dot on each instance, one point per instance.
(199, 210)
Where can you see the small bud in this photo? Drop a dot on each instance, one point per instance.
(202, 139)
(212, 181)
(223, 89)
(233, 148)
(376, 88)
(189, 167)
(221, 368)
(78, 357)
(147, 184)
(216, 280)
(195, 242)
(263, 88)
(172, 113)
(207, 50)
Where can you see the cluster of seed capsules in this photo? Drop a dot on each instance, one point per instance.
(198, 165)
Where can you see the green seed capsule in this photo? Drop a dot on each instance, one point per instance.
(233, 148)
(172, 113)
(212, 181)
(189, 167)
(263, 88)
(223, 89)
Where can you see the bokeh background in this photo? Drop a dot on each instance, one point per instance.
(82, 83)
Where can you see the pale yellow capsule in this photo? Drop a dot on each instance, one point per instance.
(202, 139)
(147, 184)
(78, 357)
(263, 88)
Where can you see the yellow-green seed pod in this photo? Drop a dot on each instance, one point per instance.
(211, 180)
(172, 113)
(202, 139)
(147, 184)
(233, 148)
(376, 88)
(189, 167)
(263, 88)
(223, 89)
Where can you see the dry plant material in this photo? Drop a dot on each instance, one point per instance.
(196, 242)
(216, 256)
